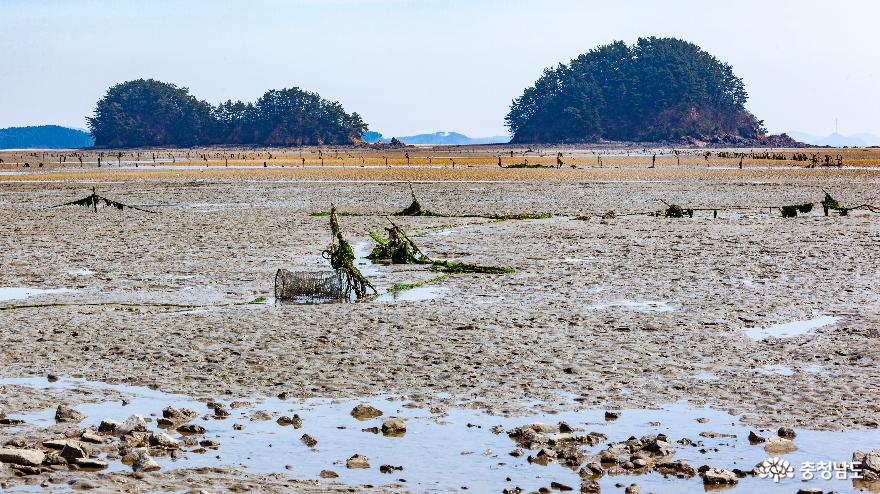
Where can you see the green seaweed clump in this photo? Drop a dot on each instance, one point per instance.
(452, 267)
(520, 216)
(342, 257)
(397, 249)
(793, 210)
(676, 211)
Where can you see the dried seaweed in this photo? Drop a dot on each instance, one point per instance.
(93, 200)
(676, 211)
(793, 210)
(342, 257)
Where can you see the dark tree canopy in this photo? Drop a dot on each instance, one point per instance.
(152, 113)
(657, 89)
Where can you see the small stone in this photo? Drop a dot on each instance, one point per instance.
(718, 476)
(779, 445)
(560, 487)
(163, 440)
(144, 463)
(240, 404)
(633, 489)
(295, 421)
(374, 430)
(90, 463)
(357, 461)
(612, 415)
(134, 423)
(109, 426)
(65, 413)
(389, 468)
(91, 437)
(786, 432)
(23, 457)
(328, 474)
(677, 468)
(590, 486)
(365, 411)
(309, 440)
(810, 490)
(260, 416)
(393, 426)
(191, 429)
(755, 438)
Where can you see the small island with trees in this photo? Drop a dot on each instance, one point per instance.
(146, 112)
(659, 89)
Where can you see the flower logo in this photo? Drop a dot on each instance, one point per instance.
(775, 468)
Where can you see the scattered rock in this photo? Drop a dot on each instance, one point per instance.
(163, 440)
(90, 463)
(590, 486)
(676, 468)
(713, 434)
(868, 463)
(295, 421)
(134, 423)
(23, 457)
(144, 462)
(389, 468)
(260, 416)
(328, 474)
(65, 413)
(612, 415)
(357, 461)
(560, 487)
(309, 440)
(393, 426)
(364, 412)
(786, 432)
(191, 429)
(755, 438)
(91, 437)
(716, 476)
(633, 489)
(779, 445)
(109, 426)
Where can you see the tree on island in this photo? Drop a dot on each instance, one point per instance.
(146, 112)
(656, 89)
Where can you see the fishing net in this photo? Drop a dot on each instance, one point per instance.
(306, 286)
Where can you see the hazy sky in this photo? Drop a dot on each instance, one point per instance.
(422, 66)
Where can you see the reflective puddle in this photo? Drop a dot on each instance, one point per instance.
(791, 329)
(18, 293)
(444, 448)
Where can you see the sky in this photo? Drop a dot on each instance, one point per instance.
(415, 66)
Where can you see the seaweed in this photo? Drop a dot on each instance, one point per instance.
(342, 257)
(398, 248)
(792, 211)
(93, 200)
(518, 216)
(399, 287)
(415, 209)
(338, 213)
(676, 211)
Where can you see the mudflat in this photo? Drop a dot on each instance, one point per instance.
(771, 320)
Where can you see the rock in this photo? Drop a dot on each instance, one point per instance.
(716, 476)
(560, 487)
(163, 440)
(81, 485)
(309, 440)
(295, 421)
(90, 463)
(109, 426)
(755, 438)
(191, 429)
(134, 423)
(542, 428)
(868, 463)
(677, 468)
(179, 416)
(260, 416)
(144, 462)
(389, 468)
(811, 490)
(393, 426)
(563, 427)
(16, 442)
(91, 437)
(591, 470)
(612, 415)
(590, 486)
(713, 434)
(72, 451)
(23, 457)
(364, 411)
(357, 461)
(373, 430)
(65, 413)
(786, 432)
(328, 474)
(220, 410)
(633, 489)
(779, 445)
(240, 404)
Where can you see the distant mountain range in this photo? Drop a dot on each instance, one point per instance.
(44, 137)
(837, 140)
(439, 138)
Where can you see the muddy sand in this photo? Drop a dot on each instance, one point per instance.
(754, 321)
